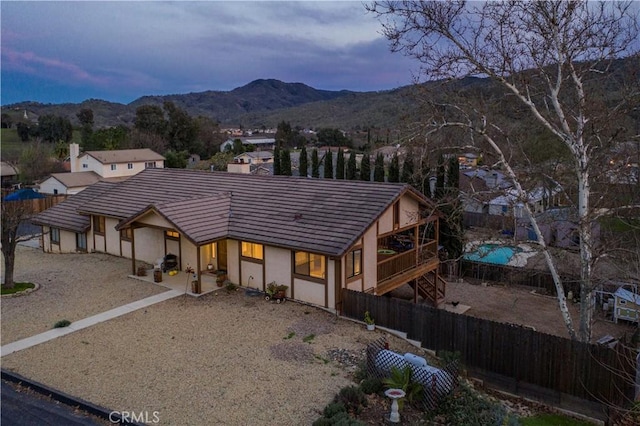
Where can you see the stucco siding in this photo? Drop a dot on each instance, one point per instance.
(331, 283)
(278, 266)
(385, 223)
(355, 285)
(309, 291)
(51, 185)
(251, 275)
(233, 261)
(155, 220)
(370, 258)
(113, 236)
(408, 211)
(149, 244)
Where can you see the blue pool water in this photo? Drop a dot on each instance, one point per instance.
(492, 253)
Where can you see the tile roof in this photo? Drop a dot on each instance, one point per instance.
(80, 179)
(65, 215)
(320, 215)
(124, 155)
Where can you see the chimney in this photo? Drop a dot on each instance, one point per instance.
(74, 153)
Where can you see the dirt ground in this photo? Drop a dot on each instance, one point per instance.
(520, 305)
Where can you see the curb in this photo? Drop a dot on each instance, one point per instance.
(36, 286)
(96, 410)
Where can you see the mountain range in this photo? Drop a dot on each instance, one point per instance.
(266, 102)
(263, 102)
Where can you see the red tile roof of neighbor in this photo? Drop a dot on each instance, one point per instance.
(321, 215)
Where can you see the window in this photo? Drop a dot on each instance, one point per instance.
(354, 263)
(81, 241)
(114, 166)
(174, 235)
(130, 166)
(55, 235)
(126, 234)
(85, 166)
(55, 192)
(310, 264)
(98, 224)
(252, 250)
(150, 165)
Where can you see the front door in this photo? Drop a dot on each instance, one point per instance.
(222, 254)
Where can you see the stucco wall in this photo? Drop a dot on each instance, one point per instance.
(309, 291)
(48, 186)
(251, 269)
(278, 266)
(155, 220)
(113, 236)
(149, 244)
(233, 261)
(408, 211)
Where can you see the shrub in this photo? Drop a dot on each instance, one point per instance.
(62, 323)
(230, 286)
(334, 408)
(465, 406)
(371, 385)
(353, 399)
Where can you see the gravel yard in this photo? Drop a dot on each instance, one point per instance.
(220, 359)
(73, 286)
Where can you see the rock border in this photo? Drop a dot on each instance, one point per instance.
(36, 286)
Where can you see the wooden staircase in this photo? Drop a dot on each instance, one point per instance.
(430, 288)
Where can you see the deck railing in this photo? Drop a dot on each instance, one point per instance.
(402, 262)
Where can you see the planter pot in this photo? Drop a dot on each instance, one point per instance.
(371, 327)
(195, 287)
(157, 276)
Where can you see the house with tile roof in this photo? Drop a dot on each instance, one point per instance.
(93, 166)
(316, 236)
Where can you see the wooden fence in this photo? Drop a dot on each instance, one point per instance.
(39, 204)
(520, 356)
(511, 275)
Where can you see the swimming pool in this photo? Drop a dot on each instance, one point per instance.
(492, 253)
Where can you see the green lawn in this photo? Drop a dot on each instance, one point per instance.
(17, 287)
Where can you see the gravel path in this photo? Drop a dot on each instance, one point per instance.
(229, 359)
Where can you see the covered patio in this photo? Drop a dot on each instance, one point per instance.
(181, 281)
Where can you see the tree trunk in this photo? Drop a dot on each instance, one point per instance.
(9, 260)
(587, 302)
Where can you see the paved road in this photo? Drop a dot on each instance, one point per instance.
(27, 409)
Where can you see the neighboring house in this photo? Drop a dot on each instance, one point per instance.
(317, 236)
(260, 142)
(92, 166)
(9, 174)
(489, 200)
(66, 230)
(559, 227)
(626, 305)
(252, 162)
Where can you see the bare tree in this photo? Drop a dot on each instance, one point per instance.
(13, 214)
(553, 58)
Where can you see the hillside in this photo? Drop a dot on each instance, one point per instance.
(266, 102)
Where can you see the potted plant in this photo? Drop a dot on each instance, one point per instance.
(221, 276)
(371, 324)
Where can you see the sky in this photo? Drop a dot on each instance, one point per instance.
(59, 51)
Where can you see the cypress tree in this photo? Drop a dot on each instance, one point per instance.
(276, 162)
(285, 162)
(394, 169)
(340, 165)
(315, 164)
(453, 174)
(365, 168)
(304, 162)
(352, 172)
(328, 165)
(378, 168)
(407, 170)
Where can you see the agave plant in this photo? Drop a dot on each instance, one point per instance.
(401, 379)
